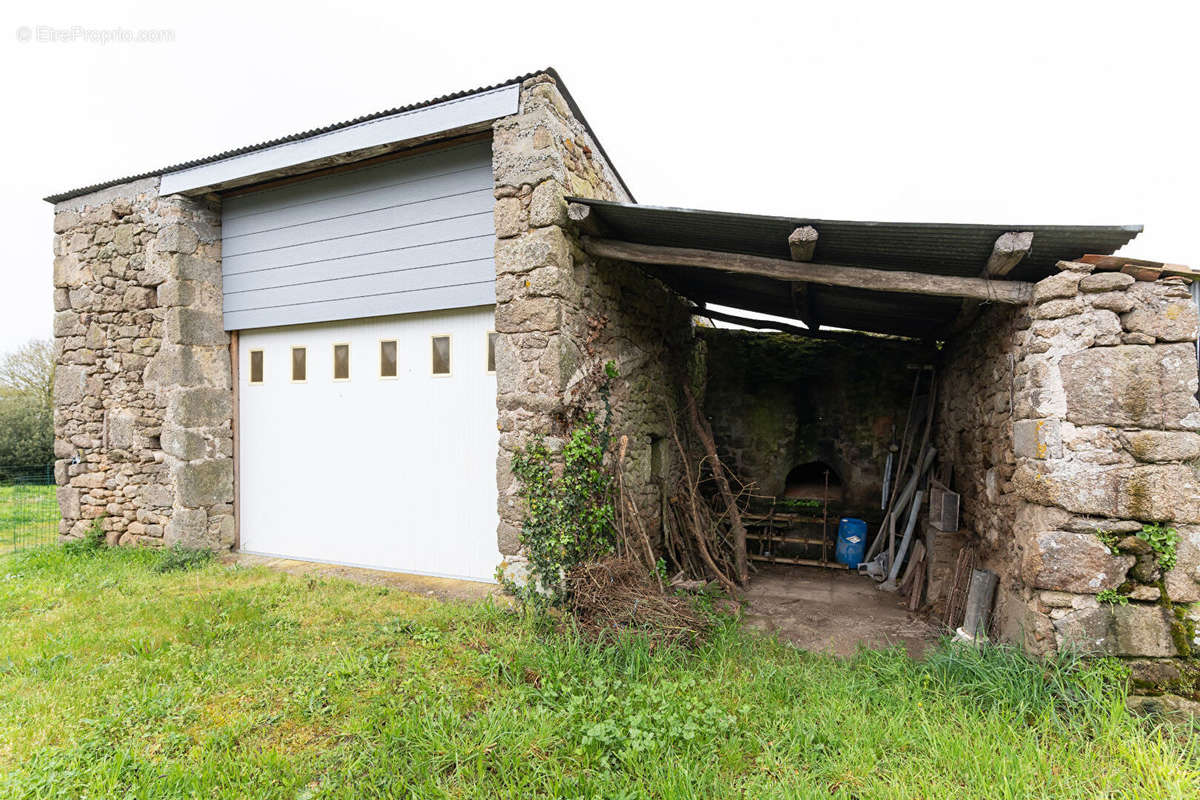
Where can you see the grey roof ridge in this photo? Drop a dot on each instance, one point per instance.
(314, 132)
(1135, 229)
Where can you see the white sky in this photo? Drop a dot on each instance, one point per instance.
(1048, 112)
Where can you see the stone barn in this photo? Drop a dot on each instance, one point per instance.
(328, 346)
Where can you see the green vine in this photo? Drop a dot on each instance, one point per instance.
(569, 512)
(1112, 597)
(1163, 541)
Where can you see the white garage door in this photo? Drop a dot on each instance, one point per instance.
(344, 461)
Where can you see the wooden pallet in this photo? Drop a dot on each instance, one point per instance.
(785, 539)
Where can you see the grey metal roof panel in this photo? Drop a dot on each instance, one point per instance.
(941, 248)
(59, 197)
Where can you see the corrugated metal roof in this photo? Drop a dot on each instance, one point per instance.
(938, 248)
(57, 198)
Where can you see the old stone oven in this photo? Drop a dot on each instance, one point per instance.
(328, 346)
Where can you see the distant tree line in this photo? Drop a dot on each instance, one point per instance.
(27, 405)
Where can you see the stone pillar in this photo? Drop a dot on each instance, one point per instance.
(143, 392)
(1105, 440)
(557, 312)
(539, 155)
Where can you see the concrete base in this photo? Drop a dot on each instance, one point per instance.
(441, 588)
(831, 611)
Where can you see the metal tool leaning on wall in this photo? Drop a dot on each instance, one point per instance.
(913, 464)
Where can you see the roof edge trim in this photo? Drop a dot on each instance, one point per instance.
(420, 122)
(183, 165)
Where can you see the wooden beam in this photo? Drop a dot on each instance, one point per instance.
(803, 242)
(878, 280)
(802, 304)
(1007, 252)
(585, 221)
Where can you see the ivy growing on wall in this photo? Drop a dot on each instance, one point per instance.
(569, 514)
(569, 508)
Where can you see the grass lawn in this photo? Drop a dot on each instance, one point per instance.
(28, 516)
(117, 681)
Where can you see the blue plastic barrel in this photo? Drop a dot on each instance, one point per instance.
(851, 542)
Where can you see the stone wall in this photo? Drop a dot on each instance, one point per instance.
(778, 401)
(1071, 424)
(143, 395)
(973, 432)
(559, 314)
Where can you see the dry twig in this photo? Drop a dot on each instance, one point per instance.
(616, 594)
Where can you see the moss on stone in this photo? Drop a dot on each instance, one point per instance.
(779, 400)
(1141, 448)
(1138, 396)
(1183, 630)
(1139, 497)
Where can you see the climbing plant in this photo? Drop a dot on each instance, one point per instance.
(569, 509)
(569, 512)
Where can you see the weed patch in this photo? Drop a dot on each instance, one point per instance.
(180, 559)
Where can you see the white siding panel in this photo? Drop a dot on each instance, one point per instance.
(409, 235)
(477, 248)
(375, 187)
(461, 296)
(349, 288)
(395, 473)
(394, 240)
(397, 216)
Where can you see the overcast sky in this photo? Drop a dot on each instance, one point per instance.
(1033, 113)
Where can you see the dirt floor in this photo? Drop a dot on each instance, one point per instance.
(831, 611)
(816, 609)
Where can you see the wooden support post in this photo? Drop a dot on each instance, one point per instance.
(803, 242)
(1008, 251)
(802, 304)
(585, 221)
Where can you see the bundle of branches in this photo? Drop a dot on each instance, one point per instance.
(703, 534)
(617, 594)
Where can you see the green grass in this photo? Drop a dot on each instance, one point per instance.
(28, 516)
(120, 681)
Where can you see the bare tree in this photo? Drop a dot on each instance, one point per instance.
(29, 371)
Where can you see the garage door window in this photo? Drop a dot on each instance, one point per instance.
(256, 366)
(441, 355)
(387, 358)
(341, 362)
(299, 364)
(491, 350)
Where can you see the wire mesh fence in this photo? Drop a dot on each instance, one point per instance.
(28, 507)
